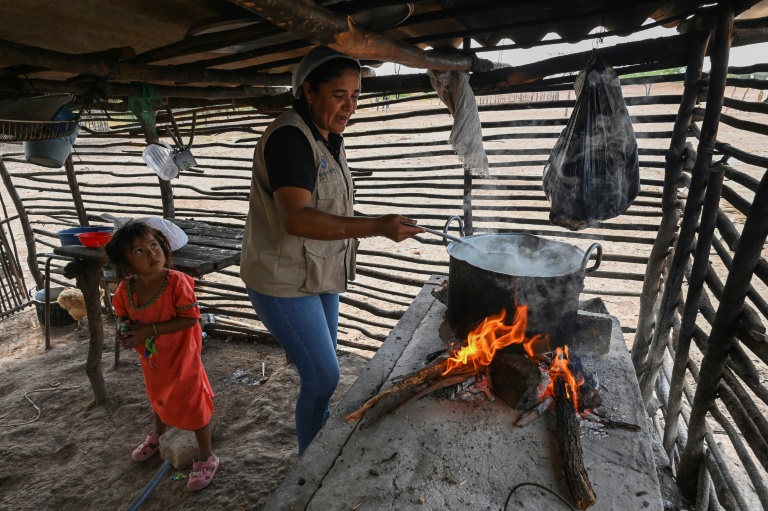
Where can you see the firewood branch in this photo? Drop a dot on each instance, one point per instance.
(570, 448)
(411, 386)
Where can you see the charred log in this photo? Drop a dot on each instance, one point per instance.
(570, 448)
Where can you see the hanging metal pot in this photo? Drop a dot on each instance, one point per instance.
(501, 271)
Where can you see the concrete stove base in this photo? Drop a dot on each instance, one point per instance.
(440, 454)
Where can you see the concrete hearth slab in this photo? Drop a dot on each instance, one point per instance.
(443, 454)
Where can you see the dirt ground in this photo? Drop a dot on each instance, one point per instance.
(76, 456)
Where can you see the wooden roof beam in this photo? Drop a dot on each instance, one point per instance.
(585, 37)
(314, 23)
(112, 69)
(663, 52)
(527, 24)
(208, 42)
(80, 88)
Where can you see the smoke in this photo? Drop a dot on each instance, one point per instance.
(521, 255)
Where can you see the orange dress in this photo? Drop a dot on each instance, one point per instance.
(176, 383)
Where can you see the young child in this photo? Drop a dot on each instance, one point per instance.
(158, 316)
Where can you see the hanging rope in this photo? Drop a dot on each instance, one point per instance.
(143, 107)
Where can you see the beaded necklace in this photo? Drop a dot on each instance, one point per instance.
(149, 343)
(149, 303)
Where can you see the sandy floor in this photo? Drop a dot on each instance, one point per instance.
(77, 455)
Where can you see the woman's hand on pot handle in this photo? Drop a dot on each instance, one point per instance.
(394, 227)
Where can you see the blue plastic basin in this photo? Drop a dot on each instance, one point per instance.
(69, 236)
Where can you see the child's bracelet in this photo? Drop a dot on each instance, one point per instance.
(154, 329)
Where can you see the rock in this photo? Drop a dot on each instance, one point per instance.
(595, 305)
(250, 459)
(593, 333)
(179, 447)
(514, 380)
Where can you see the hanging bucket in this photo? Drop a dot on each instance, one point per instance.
(50, 153)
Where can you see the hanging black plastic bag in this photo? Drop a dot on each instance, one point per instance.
(593, 172)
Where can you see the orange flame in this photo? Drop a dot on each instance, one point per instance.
(559, 369)
(492, 335)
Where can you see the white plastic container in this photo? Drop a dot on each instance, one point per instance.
(159, 158)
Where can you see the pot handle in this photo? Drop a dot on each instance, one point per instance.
(448, 224)
(589, 253)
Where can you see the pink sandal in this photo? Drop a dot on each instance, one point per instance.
(202, 473)
(147, 449)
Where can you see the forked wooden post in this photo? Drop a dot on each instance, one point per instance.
(69, 168)
(691, 215)
(166, 190)
(670, 213)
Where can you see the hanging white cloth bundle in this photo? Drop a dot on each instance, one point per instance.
(466, 134)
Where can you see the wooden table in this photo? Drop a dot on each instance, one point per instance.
(210, 248)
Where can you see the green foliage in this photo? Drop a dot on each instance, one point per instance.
(658, 72)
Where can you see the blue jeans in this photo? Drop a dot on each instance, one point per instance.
(306, 327)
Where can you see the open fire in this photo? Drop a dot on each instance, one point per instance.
(560, 387)
(493, 334)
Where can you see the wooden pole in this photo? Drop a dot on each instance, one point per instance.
(691, 310)
(721, 339)
(669, 202)
(166, 190)
(571, 454)
(87, 275)
(26, 227)
(317, 24)
(672, 291)
(69, 167)
(467, 199)
(112, 69)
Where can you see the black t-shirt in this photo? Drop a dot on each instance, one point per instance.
(289, 157)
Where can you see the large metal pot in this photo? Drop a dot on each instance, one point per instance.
(501, 271)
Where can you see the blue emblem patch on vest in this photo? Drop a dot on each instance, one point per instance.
(323, 163)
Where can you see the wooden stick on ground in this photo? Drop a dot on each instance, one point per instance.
(570, 448)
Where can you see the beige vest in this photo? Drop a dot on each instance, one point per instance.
(278, 264)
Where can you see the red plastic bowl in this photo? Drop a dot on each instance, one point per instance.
(94, 239)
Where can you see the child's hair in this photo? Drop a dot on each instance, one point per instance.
(122, 241)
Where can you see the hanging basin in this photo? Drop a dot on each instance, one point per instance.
(50, 153)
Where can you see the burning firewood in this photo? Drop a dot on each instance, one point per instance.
(474, 358)
(417, 384)
(570, 448)
(564, 389)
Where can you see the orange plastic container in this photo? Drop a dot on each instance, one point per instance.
(94, 239)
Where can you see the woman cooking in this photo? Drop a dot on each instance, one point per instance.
(301, 234)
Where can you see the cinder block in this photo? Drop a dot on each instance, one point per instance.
(593, 333)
